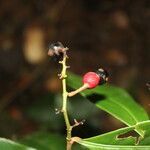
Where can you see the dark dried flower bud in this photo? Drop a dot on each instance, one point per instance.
(148, 85)
(103, 75)
(56, 51)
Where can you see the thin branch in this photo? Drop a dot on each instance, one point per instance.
(65, 95)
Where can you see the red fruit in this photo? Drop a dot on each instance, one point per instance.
(91, 79)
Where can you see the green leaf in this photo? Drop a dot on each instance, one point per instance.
(45, 141)
(6, 144)
(113, 100)
(111, 140)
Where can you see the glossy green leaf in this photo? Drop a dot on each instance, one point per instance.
(113, 100)
(111, 140)
(6, 144)
(45, 141)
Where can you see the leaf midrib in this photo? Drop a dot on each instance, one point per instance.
(109, 98)
(129, 112)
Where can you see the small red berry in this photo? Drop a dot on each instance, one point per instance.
(92, 79)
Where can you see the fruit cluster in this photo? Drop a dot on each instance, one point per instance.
(90, 79)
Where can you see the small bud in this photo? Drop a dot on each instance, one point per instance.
(148, 85)
(103, 74)
(56, 51)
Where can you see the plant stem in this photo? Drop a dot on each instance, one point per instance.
(64, 107)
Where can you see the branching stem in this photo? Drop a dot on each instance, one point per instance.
(65, 95)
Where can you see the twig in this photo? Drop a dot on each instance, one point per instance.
(65, 95)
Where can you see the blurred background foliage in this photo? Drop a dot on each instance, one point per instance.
(100, 33)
